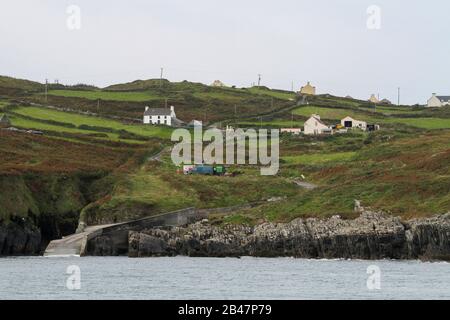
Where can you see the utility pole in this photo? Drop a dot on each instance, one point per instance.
(161, 77)
(259, 80)
(292, 86)
(165, 103)
(292, 119)
(46, 89)
(235, 115)
(98, 106)
(398, 96)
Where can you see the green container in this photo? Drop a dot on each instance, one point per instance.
(219, 170)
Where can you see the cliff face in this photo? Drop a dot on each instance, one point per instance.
(37, 208)
(371, 236)
(17, 239)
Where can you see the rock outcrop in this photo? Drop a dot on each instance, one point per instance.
(373, 235)
(19, 240)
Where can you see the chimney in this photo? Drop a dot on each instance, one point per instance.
(146, 108)
(172, 108)
(434, 94)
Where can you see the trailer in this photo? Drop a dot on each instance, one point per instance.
(203, 170)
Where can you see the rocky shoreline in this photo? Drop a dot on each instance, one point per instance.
(19, 240)
(373, 235)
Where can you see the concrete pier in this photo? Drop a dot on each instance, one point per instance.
(112, 239)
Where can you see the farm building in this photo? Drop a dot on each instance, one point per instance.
(308, 89)
(296, 131)
(438, 101)
(315, 126)
(4, 121)
(349, 122)
(385, 101)
(162, 116)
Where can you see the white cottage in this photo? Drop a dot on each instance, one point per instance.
(438, 101)
(162, 116)
(315, 126)
(349, 122)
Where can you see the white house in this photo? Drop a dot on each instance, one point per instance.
(314, 126)
(438, 101)
(162, 116)
(349, 122)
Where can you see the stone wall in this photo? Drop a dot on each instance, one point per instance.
(113, 241)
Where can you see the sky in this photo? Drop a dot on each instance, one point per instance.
(346, 47)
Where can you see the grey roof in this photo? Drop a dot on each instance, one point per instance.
(318, 120)
(157, 112)
(443, 98)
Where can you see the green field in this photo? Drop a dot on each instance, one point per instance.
(319, 158)
(333, 113)
(78, 120)
(105, 95)
(393, 110)
(270, 124)
(37, 125)
(424, 123)
(272, 93)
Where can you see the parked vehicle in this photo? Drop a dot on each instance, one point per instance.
(203, 170)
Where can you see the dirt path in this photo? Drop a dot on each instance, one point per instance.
(305, 185)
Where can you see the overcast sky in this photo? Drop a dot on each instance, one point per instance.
(326, 42)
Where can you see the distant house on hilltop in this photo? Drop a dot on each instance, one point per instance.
(162, 116)
(315, 126)
(374, 99)
(4, 121)
(218, 83)
(385, 101)
(438, 101)
(308, 89)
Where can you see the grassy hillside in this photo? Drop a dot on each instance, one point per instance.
(26, 85)
(84, 122)
(191, 100)
(98, 167)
